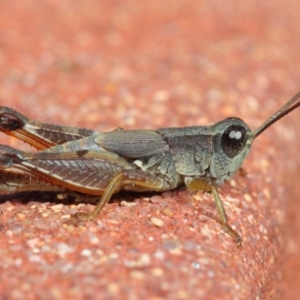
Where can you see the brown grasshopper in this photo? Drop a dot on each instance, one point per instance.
(95, 163)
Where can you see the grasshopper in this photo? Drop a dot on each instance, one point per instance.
(101, 164)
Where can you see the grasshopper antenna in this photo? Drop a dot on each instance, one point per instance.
(287, 108)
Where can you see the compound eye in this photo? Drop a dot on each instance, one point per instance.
(233, 140)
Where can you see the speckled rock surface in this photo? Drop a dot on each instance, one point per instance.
(151, 64)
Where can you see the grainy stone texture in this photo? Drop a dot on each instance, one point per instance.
(150, 64)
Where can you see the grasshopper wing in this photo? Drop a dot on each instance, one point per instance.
(133, 144)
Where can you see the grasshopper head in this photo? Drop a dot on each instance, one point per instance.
(232, 139)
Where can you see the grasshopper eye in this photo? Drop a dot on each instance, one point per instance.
(233, 140)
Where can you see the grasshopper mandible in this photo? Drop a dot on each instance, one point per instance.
(95, 163)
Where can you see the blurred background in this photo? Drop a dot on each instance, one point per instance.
(85, 57)
(151, 64)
